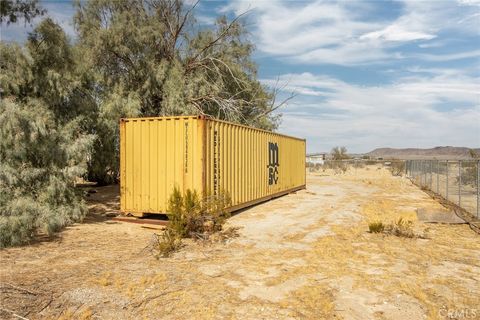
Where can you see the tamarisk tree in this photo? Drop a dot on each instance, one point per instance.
(151, 58)
(43, 144)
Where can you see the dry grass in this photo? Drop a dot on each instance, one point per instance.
(376, 227)
(307, 255)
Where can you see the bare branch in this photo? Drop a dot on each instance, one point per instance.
(213, 42)
(275, 92)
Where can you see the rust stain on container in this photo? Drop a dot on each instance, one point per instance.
(206, 155)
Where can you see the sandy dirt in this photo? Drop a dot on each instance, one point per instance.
(306, 255)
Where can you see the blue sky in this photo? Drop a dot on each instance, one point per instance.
(366, 74)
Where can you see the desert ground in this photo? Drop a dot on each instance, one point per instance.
(307, 255)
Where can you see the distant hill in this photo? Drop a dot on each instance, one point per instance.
(444, 153)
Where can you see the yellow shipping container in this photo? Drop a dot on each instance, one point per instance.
(206, 155)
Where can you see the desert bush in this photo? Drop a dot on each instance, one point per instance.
(397, 167)
(469, 174)
(358, 164)
(338, 167)
(192, 217)
(376, 227)
(188, 215)
(401, 228)
(166, 243)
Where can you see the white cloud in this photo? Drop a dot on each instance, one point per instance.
(397, 32)
(469, 2)
(440, 107)
(204, 19)
(320, 32)
(344, 32)
(449, 57)
(433, 44)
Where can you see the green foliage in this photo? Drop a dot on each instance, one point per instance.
(339, 153)
(376, 227)
(62, 102)
(43, 142)
(13, 10)
(39, 161)
(149, 58)
(177, 216)
(189, 216)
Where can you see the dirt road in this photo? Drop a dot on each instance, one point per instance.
(306, 255)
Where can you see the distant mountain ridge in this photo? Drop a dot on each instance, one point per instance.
(443, 153)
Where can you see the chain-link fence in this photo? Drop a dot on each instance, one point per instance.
(397, 167)
(456, 181)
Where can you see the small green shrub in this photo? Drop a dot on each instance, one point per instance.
(376, 227)
(188, 215)
(192, 217)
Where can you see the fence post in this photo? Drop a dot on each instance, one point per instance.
(446, 189)
(438, 162)
(424, 174)
(431, 174)
(478, 187)
(459, 182)
(420, 171)
(414, 170)
(425, 170)
(420, 176)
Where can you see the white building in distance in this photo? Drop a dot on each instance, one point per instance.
(316, 158)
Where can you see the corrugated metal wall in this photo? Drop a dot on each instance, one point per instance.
(209, 156)
(157, 154)
(251, 164)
